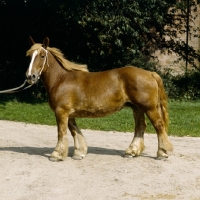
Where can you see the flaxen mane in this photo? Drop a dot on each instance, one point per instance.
(59, 56)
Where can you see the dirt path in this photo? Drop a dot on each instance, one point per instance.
(27, 174)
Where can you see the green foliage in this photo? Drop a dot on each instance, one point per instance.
(144, 62)
(183, 87)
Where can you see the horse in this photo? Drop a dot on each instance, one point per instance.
(74, 92)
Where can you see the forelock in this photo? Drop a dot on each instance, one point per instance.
(35, 47)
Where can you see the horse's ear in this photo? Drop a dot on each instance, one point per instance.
(31, 41)
(45, 42)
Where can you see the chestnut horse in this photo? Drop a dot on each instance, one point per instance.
(75, 92)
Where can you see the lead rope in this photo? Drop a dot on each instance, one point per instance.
(20, 88)
(17, 89)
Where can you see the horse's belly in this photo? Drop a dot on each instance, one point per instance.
(94, 112)
(99, 106)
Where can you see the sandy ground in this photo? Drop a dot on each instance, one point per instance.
(26, 172)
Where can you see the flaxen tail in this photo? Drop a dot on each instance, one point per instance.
(162, 99)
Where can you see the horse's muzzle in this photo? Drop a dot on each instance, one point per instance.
(32, 79)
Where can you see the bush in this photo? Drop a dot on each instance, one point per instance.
(182, 87)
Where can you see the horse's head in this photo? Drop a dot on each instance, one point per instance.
(39, 60)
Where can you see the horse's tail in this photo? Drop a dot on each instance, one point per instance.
(162, 99)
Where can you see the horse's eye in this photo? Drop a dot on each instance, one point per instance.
(42, 56)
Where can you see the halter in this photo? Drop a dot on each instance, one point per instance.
(23, 87)
(46, 59)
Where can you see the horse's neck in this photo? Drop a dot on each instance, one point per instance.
(53, 74)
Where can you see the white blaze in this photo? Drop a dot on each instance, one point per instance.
(32, 60)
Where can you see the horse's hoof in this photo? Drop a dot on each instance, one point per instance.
(127, 156)
(162, 155)
(78, 157)
(53, 159)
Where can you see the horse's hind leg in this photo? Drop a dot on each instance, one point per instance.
(80, 146)
(164, 145)
(137, 145)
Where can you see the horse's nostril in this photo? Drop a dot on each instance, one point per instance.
(31, 77)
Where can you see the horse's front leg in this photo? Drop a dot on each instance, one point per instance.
(137, 145)
(61, 150)
(80, 146)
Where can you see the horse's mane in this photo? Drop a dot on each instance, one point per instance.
(59, 57)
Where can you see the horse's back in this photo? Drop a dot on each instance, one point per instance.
(134, 72)
(137, 78)
(128, 73)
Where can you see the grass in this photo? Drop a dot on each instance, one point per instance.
(184, 118)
